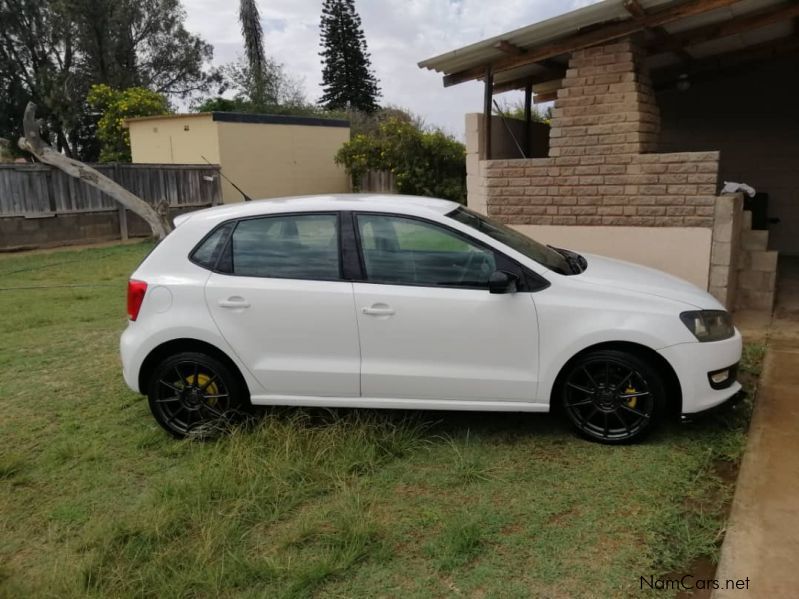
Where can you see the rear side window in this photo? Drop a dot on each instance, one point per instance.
(302, 246)
(208, 251)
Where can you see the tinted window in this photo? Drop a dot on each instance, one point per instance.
(411, 252)
(542, 254)
(295, 247)
(207, 252)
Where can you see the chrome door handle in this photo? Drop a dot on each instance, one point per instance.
(234, 302)
(378, 311)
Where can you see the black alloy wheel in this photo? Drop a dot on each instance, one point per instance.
(193, 394)
(612, 396)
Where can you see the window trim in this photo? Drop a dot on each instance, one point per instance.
(529, 281)
(227, 245)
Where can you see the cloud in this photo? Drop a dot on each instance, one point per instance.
(399, 33)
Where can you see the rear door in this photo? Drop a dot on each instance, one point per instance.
(279, 299)
(429, 328)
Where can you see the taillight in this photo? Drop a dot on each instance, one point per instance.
(136, 291)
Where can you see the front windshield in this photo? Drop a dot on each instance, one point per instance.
(521, 243)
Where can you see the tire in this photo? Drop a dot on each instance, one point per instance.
(194, 394)
(612, 396)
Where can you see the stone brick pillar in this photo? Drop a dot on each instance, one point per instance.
(475, 176)
(606, 105)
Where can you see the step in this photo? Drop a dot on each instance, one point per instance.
(754, 240)
(749, 299)
(746, 225)
(756, 280)
(763, 261)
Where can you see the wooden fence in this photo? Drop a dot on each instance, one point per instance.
(36, 190)
(378, 182)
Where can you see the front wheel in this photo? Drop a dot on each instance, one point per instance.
(612, 396)
(192, 393)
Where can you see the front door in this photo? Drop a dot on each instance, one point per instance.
(283, 307)
(429, 328)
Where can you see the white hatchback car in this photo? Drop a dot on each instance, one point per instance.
(369, 301)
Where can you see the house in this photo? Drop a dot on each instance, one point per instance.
(656, 104)
(265, 155)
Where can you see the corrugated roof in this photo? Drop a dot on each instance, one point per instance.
(607, 12)
(534, 35)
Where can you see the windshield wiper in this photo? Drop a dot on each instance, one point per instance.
(576, 262)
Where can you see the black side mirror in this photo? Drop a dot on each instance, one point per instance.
(502, 282)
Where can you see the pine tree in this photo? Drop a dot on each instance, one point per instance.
(251, 29)
(347, 76)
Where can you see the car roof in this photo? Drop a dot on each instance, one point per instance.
(400, 204)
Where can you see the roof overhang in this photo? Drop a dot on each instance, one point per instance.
(679, 36)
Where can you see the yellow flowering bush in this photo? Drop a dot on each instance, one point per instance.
(115, 106)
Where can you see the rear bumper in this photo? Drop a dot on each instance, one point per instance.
(693, 363)
(130, 361)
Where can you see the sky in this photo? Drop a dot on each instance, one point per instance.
(399, 33)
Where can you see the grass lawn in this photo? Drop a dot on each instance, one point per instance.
(96, 500)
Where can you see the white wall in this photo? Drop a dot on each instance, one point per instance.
(681, 251)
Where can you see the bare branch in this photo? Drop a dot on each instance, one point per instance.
(32, 142)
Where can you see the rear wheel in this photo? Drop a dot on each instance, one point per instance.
(612, 396)
(192, 393)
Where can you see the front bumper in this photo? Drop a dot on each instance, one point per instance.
(692, 362)
(727, 403)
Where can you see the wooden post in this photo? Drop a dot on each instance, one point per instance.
(123, 223)
(123, 214)
(488, 96)
(528, 117)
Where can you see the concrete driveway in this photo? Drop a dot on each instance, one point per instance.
(762, 540)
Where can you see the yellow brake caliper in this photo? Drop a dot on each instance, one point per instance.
(633, 400)
(202, 379)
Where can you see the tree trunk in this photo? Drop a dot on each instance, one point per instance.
(32, 142)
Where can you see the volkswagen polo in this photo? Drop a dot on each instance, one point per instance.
(369, 301)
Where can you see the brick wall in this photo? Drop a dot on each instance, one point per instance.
(599, 171)
(642, 190)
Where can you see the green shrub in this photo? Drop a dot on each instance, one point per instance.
(426, 163)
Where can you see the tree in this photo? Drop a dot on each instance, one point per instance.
(282, 93)
(116, 106)
(264, 92)
(141, 43)
(37, 61)
(347, 77)
(427, 163)
(53, 51)
(253, 33)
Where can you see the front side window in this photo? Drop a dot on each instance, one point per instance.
(301, 246)
(542, 254)
(406, 251)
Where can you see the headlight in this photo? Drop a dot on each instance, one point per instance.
(709, 325)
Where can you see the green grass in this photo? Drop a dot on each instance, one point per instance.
(95, 500)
